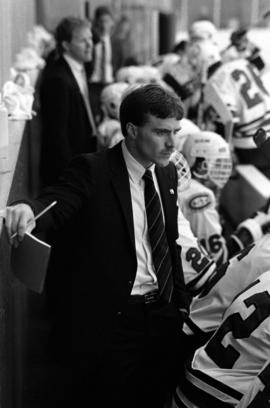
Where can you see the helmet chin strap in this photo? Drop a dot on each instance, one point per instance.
(199, 175)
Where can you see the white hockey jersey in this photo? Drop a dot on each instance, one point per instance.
(258, 395)
(206, 309)
(225, 367)
(198, 204)
(242, 90)
(197, 266)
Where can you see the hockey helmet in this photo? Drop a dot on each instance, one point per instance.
(202, 30)
(213, 153)
(187, 128)
(111, 97)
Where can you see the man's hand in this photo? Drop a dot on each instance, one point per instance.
(19, 219)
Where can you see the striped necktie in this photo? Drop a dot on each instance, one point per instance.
(103, 62)
(158, 239)
(85, 95)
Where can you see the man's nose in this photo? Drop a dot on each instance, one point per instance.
(171, 139)
(89, 42)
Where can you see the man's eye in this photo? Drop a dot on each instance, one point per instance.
(160, 132)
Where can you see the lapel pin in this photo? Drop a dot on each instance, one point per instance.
(171, 191)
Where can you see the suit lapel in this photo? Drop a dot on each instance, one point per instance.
(120, 182)
(70, 74)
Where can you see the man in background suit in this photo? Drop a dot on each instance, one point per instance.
(102, 68)
(68, 127)
(120, 319)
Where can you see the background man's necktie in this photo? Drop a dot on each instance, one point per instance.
(158, 238)
(103, 62)
(85, 94)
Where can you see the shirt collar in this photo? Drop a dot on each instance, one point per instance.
(74, 64)
(135, 169)
(105, 38)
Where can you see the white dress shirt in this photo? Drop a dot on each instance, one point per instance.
(146, 279)
(99, 71)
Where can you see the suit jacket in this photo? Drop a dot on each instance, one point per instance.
(66, 129)
(96, 188)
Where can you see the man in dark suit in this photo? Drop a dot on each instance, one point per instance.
(120, 321)
(68, 127)
(102, 68)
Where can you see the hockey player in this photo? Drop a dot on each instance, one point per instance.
(198, 267)
(221, 288)
(109, 130)
(208, 156)
(241, 47)
(240, 86)
(220, 373)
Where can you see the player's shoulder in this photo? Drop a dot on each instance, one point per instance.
(224, 72)
(198, 197)
(265, 279)
(261, 284)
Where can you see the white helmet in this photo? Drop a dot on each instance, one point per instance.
(111, 97)
(138, 74)
(201, 55)
(164, 62)
(183, 170)
(202, 30)
(215, 152)
(187, 128)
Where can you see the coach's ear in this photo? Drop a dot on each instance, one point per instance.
(131, 130)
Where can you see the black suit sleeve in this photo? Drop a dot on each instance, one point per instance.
(71, 191)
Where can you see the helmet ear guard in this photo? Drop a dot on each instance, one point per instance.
(200, 168)
(209, 157)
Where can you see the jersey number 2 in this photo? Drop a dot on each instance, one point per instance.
(247, 89)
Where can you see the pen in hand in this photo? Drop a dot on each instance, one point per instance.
(36, 217)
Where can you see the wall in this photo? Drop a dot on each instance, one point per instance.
(143, 15)
(16, 18)
(50, 12)
(13, 297)
(224, 13)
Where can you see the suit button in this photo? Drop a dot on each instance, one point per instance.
(130, 282)
(119, 313)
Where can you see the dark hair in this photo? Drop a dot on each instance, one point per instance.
(149, 99)
(237, 35)
(65, 29)
(101, 11)
(180, 46)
